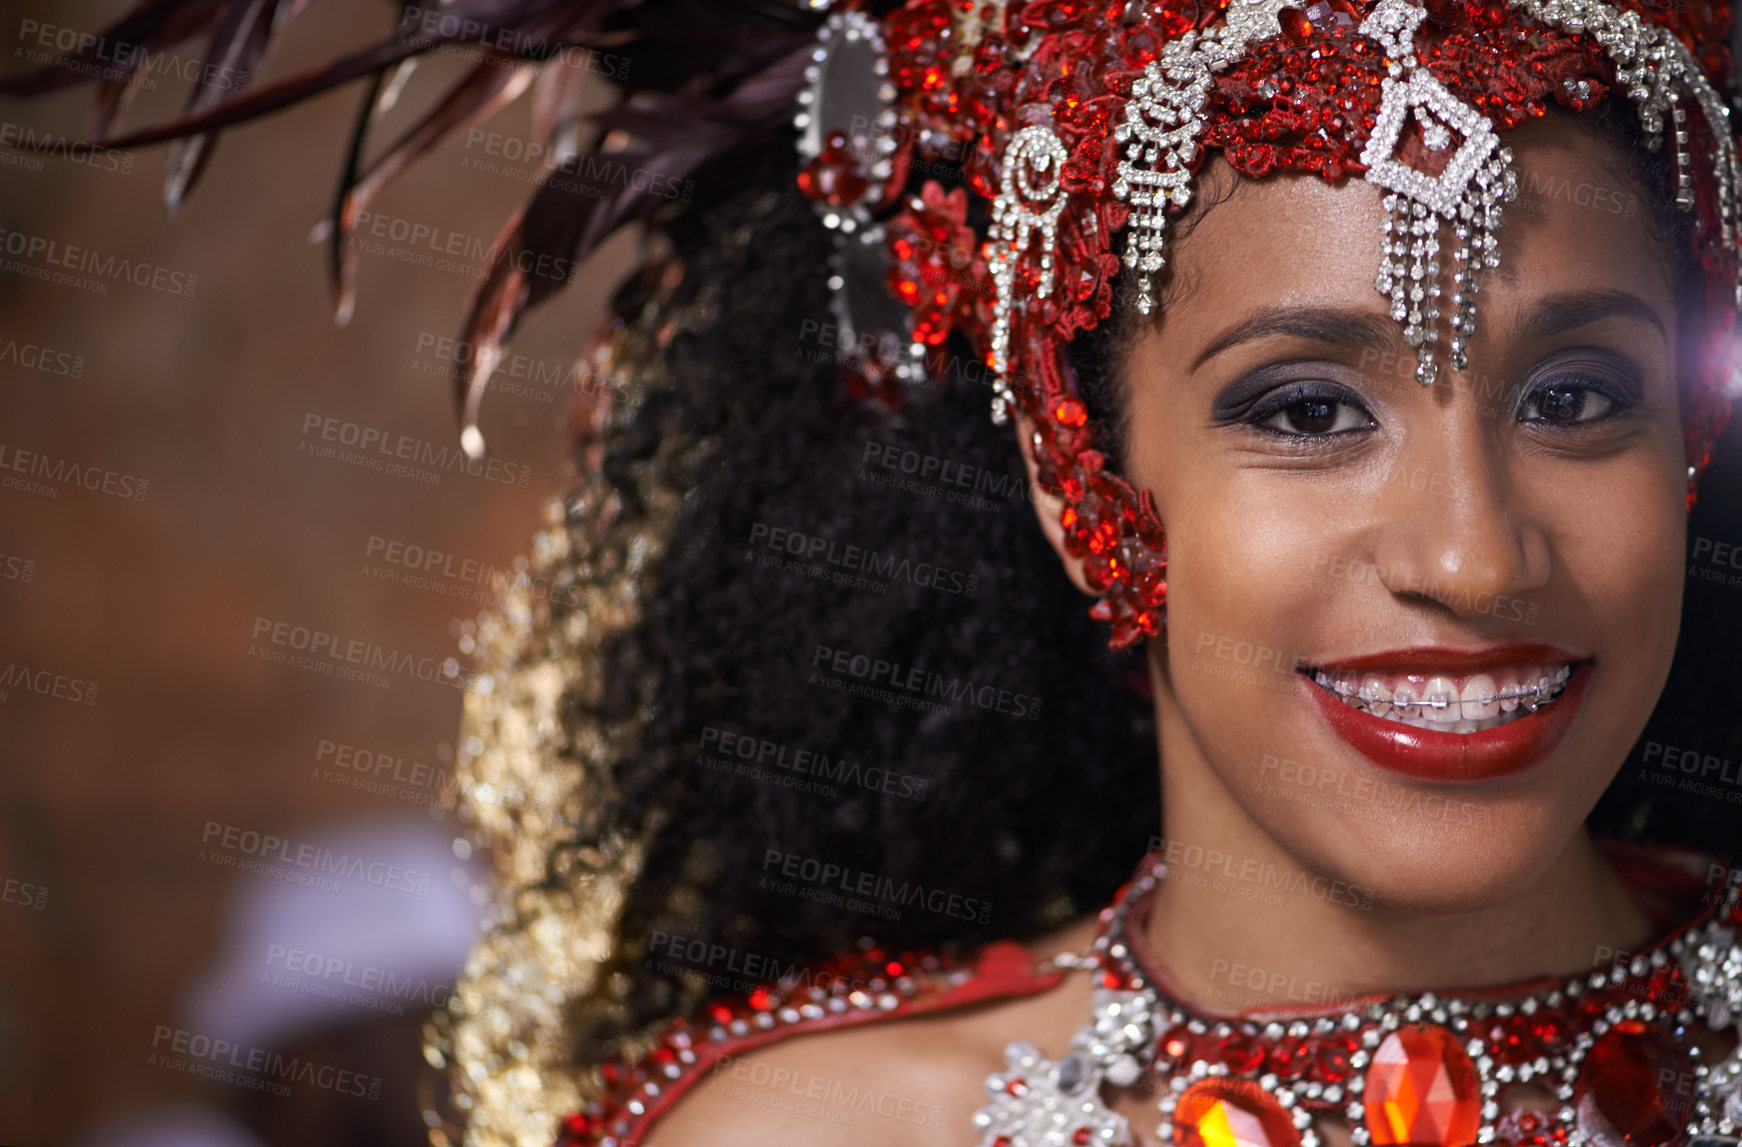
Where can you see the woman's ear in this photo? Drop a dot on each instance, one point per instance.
(1047, 509)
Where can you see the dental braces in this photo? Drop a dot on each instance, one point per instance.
(1530, 698)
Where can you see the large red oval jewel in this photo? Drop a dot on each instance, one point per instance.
(1223, 1112)
(1635, 1088)
(1422, 1091)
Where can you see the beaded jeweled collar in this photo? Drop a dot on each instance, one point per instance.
(1430, 1070)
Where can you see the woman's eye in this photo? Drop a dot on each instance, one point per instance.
(1314, 416)
(1565, 404)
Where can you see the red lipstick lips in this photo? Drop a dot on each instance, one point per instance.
(1432, 755)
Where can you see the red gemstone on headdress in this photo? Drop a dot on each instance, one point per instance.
(1635, 1088)
(833, 176)
(1422, 1091)
(1485, 14)
(1295, 23)
(1221, 1112)
(1070, 412)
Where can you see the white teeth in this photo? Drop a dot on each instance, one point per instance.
(1440, 696)
(1477, 700)
(1439, 702)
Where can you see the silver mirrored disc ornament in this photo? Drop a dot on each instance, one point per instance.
(848, 94)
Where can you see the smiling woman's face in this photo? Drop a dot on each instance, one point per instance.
(1347, 548)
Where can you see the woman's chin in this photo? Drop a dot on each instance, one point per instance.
(1427, 862)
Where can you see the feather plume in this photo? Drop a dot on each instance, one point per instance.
(701, 80)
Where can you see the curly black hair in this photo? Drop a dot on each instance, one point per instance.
(1006, 720)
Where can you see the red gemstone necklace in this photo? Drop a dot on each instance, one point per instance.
(1615, 1048)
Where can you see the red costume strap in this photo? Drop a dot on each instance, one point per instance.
(864, 988)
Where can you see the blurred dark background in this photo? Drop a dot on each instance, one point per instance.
(201, 392)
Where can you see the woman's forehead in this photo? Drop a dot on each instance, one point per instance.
(1582, 221)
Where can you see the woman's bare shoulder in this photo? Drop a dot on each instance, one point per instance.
(913, 1081)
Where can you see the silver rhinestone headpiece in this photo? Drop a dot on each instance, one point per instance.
(1458, 209)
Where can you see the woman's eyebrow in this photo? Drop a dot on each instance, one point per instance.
(1558, 314)
(1354, 330)
(1359, 330)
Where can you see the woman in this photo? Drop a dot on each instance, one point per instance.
(809, 791)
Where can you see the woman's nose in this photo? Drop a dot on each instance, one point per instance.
(1454, 530)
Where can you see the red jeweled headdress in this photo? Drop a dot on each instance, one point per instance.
(1084, 122)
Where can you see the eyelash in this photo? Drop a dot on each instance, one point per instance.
(1279, 401)
(1584, 383)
